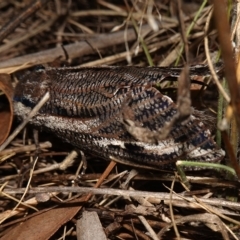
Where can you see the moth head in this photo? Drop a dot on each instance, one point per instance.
(31, 87)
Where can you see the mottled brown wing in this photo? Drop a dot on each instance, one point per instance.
(89, 108)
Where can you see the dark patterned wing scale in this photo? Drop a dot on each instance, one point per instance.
(88, 107)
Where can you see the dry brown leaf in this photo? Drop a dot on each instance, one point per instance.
(6, 112)
(44, 225)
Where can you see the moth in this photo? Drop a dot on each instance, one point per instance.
(88, 108)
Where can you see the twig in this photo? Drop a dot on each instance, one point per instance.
(25, 148)
(209, 61)
(74, 50)
(118, 192)
(172, 213)
(148, 227)
(205, 218)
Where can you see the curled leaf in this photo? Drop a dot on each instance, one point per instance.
(6, 107)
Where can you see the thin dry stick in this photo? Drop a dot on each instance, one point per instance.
(230, 230)
(209, 61)
(26, 120)
(118, 192)
(101, 179)
(110, 6)
(172, 213)
(25, 148)
(205, 218)
(236, 32)
(74, 50)
(108, 60)
(74, 154)
(210, 210)
(183, 35)
(235, 27)
(148, 227)
(133, 173)
(137, 233)
(67, 162)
